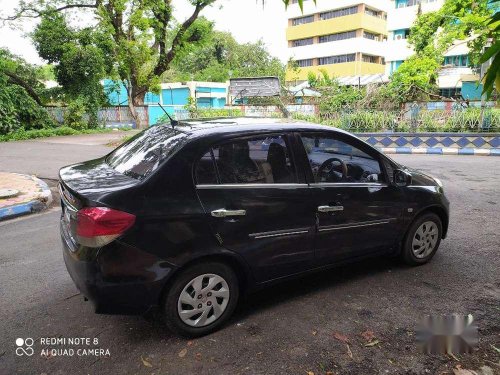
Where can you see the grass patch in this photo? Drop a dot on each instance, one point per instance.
(21, 134)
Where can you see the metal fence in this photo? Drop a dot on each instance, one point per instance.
(109, 116)
(415, 120)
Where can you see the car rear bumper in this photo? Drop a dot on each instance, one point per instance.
(112, 282)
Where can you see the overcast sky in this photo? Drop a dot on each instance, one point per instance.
(247, 20)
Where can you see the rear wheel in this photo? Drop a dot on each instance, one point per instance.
(422, 240)
(201, 299)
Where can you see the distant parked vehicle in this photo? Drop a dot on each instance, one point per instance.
(189, 217)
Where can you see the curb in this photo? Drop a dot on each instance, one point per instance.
(441, 151)
(33, 206)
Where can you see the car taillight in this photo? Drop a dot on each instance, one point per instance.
(98, 226)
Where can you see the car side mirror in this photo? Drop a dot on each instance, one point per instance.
(401, 178)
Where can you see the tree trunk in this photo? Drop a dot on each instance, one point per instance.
(136, 96)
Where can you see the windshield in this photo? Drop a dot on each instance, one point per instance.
(141, 155)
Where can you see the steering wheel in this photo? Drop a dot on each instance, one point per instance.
(323, 168)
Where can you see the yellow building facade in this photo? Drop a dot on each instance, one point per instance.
(342, 37)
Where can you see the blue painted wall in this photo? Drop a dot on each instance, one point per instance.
(175, 96)
(401, 33)
(471, 91)
(395, 65)
(116, 92)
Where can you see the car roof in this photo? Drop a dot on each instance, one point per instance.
(246, 125)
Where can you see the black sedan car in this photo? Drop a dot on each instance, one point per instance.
(189, 216)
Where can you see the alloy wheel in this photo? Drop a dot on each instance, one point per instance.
(425, 239)
(203, 300)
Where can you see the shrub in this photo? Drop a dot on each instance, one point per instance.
(74, 116)
(219, 112)
(19, 110)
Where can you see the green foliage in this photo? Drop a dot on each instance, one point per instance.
(207, 113)
(74, 116)
(492, 76)
(466, 120)
(222, 57)
(19, 109)
(21, 134)
(134, 42)
(82, 58)
(415, 78)
(220, 112)
(434, 33)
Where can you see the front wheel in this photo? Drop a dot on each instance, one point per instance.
(422, 240)
(201, 299)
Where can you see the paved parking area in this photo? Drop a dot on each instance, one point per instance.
(314, 324)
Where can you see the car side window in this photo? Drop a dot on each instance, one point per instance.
(205, 170)
(259, 160)
(335, 161)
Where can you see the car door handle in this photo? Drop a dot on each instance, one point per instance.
(222, 212)
(330, 208)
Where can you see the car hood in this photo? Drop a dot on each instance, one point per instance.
(94, 177)
(420, 178)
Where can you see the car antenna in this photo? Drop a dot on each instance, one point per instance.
(172, 121)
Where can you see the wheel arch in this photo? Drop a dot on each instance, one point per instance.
(440, 212)
(239, 267)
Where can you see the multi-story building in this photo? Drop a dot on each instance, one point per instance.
(342, 37)
(456, 78)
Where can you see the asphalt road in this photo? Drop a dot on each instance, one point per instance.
(312, 324)
(44, 157)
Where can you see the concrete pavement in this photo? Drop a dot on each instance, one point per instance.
(286, 329)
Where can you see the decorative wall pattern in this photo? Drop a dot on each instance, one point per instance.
(433, 140)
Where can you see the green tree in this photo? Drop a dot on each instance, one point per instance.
(416, 78)
(432, 35)
(222, 57)
(492, 76)
(20, 95)
(144, 36)
(82, 58)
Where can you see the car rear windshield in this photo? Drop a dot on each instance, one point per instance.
(142, 154)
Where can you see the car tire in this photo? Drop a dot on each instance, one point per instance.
(422, 239)
(205, 314)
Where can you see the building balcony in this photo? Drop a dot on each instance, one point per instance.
(337, 25)
(354, 68)
(339, 47)
(310, 7)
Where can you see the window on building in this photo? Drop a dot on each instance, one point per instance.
(338, 13)
(302, 42)
(451, 92)
(370, 59)
(304, 63)
(401, 34)
(303, 20)
(374, 13)
(370, 36)
(457, 61)
(338, 36)
(409, 3)
(337, 59)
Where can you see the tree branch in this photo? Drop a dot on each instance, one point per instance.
(14, 78)
(166, 58)
(30, 12)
